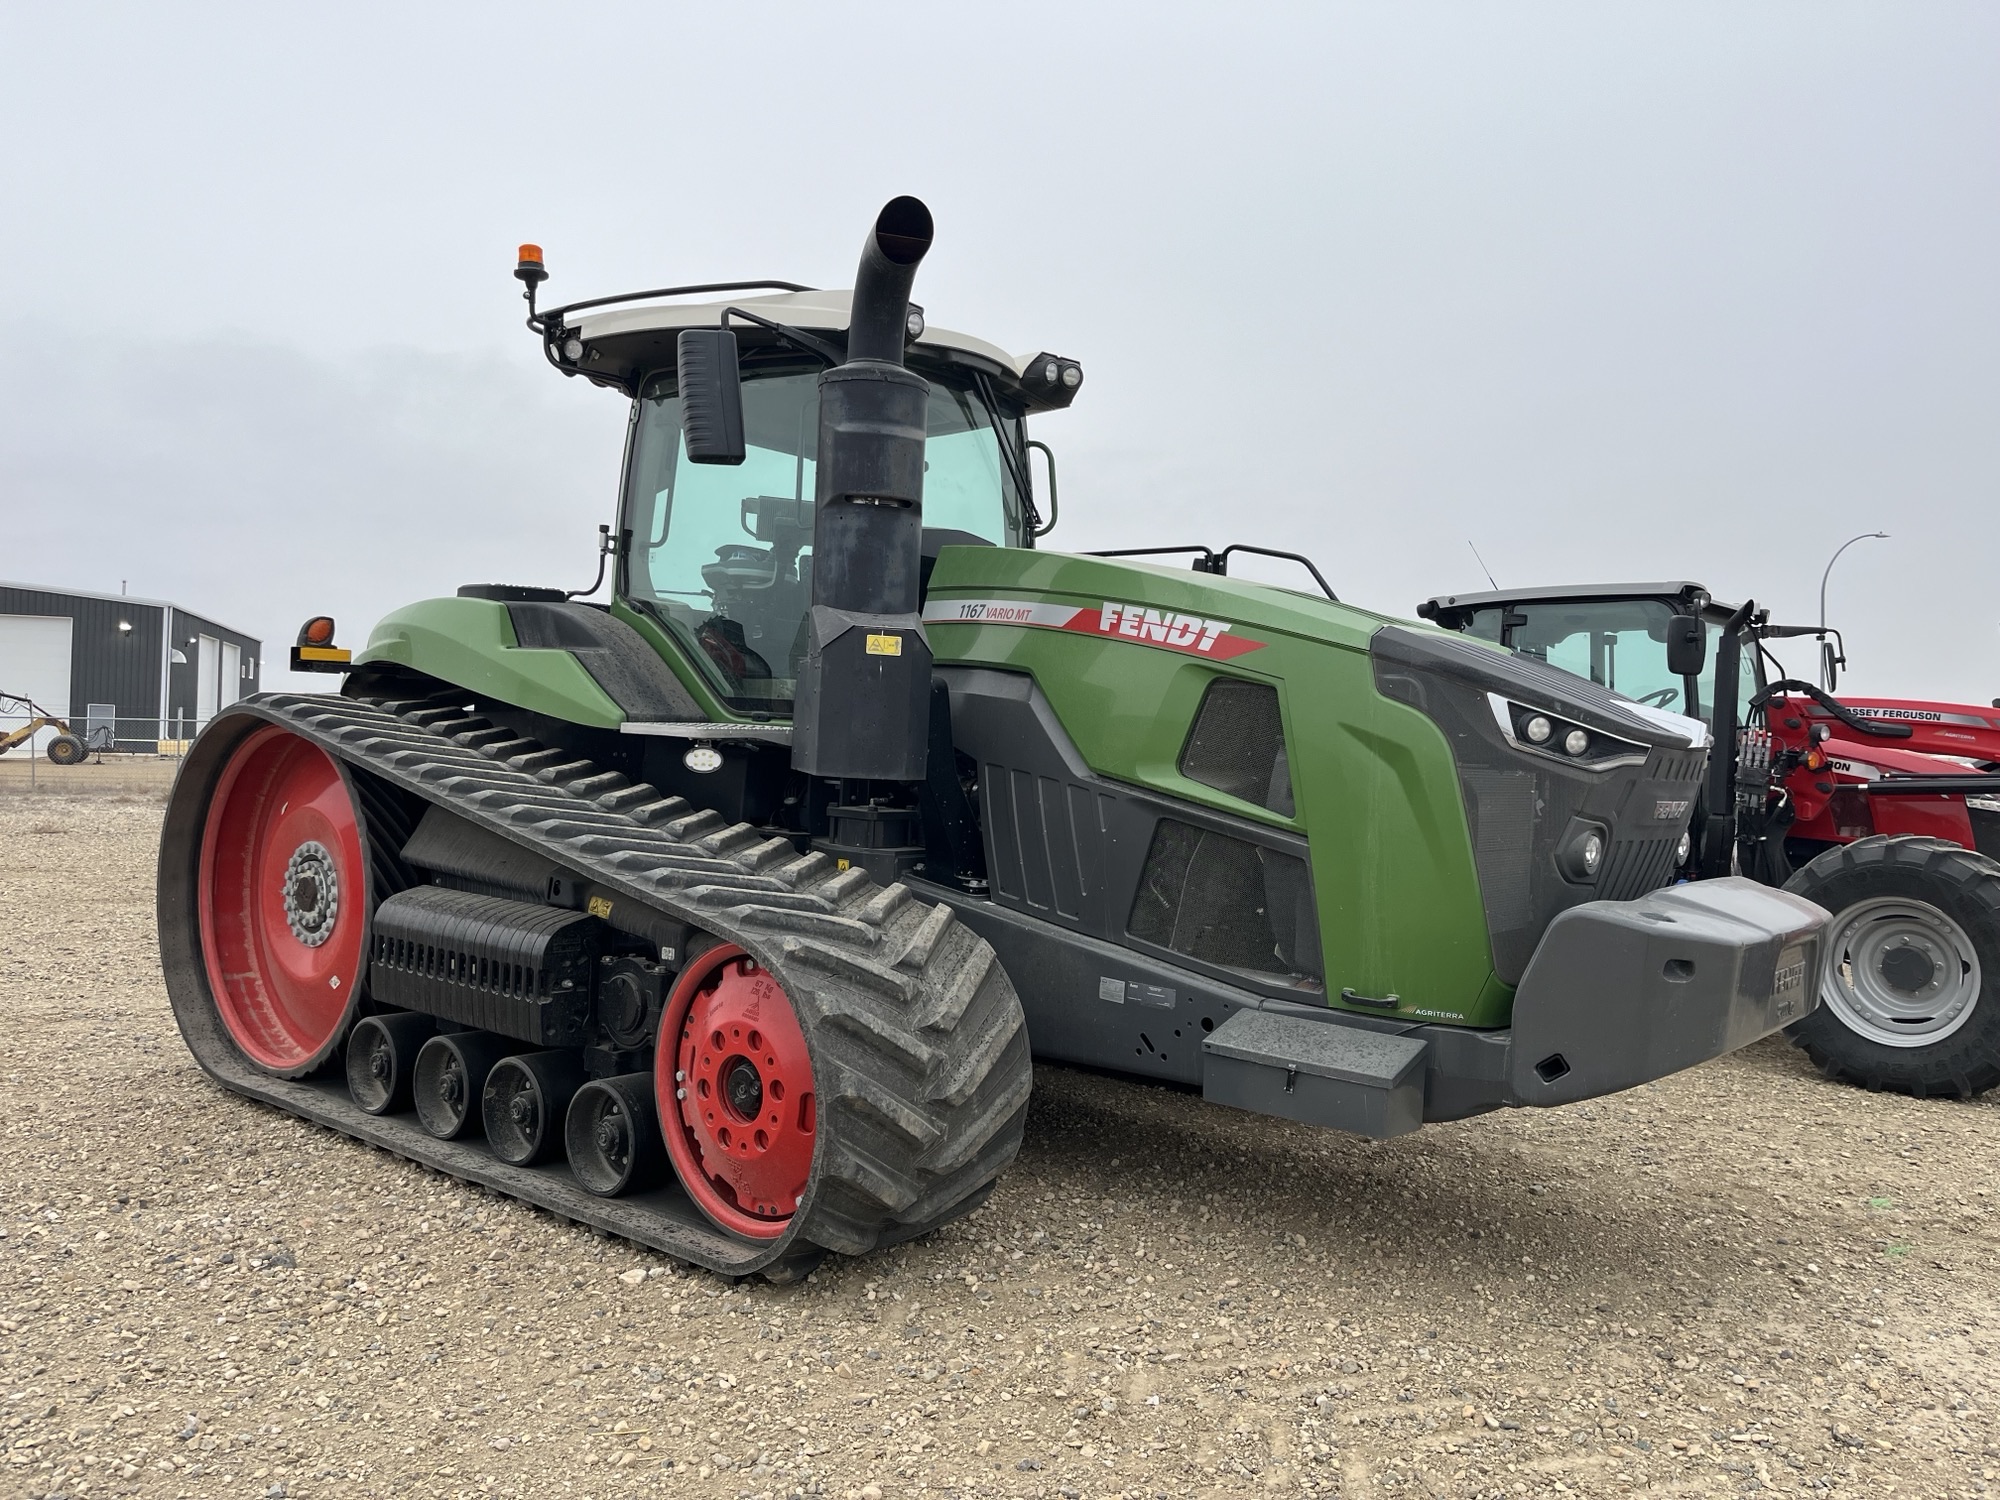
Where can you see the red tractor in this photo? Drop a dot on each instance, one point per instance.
(1886, 812)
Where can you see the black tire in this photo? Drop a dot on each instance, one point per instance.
(67, 750)
(1873, 885)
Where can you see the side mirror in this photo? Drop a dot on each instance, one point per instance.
(1687, 646)
(711, 389)
(1829, 665)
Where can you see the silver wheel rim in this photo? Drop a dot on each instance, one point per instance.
(1899, 972)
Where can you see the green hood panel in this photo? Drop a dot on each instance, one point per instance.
(1374, 782)
(470, 643)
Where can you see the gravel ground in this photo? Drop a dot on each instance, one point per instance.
(1742, 1279)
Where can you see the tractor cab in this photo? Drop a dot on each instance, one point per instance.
(718, 552)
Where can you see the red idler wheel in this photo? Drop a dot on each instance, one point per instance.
(283, 899)
(734, 1083)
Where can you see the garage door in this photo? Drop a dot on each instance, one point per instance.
(34, 663)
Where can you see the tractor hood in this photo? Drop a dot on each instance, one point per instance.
(1232, 619)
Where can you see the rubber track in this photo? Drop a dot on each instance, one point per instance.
(919, 1044)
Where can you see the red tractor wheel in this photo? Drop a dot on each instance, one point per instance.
(283, 896)
(734, 1082)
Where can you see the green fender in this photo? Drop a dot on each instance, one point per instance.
(470, 643)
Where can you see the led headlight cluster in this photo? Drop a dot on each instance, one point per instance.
(1053, 379)
(1542, 732)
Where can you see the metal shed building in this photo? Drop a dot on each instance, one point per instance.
(151, 670)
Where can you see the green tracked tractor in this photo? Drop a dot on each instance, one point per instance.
(728, 914)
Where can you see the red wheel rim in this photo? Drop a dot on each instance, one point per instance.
(284, 899)
(736, 1096)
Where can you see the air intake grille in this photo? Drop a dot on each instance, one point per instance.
(1237, 745)
(1227, 902)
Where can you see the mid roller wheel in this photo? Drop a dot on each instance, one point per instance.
(734, 1083)
(284, 897)
(613, 1135)
(450, 1077)
(524, 1102)
(382, 1056)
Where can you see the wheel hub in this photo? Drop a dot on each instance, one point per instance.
(742, 1088)
(610, 1136)
(1908, 967)
(1900, 972)
(521, 1110)
(737, 1099)
(311, 893)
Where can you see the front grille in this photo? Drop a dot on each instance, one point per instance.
(1522, 809)
(1633, 867)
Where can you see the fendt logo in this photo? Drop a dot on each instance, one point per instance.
(1171, 630)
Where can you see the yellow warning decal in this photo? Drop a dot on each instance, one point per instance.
(600, 906)
(885, 645)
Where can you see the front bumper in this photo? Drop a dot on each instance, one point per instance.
(1619, 993)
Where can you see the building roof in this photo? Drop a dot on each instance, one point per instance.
(49, 588)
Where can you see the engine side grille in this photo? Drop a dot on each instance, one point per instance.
(524, 971)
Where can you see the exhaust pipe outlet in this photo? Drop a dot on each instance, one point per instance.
(861, 709)
(896, 247)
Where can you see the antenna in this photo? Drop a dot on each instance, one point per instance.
(1482, 565)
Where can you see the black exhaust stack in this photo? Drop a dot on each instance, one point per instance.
(861, 710)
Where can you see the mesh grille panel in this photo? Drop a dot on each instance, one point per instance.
(1228, 902)
(1237, 745)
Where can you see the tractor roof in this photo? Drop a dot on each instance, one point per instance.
(626, 342)
(1686, 595)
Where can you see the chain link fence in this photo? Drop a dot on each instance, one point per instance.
(120, 753)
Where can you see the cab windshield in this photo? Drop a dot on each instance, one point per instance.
(722, 554)
(1620, 644)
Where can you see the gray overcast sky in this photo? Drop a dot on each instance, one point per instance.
(1614, 291)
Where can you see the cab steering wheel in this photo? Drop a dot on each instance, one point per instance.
(1660, 697)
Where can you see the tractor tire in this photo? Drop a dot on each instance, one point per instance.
(67, 750)
(1910, 988)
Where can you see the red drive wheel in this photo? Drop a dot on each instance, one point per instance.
(735, 1088)
(283, 895)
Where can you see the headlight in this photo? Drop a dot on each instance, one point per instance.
(1580, 851)
(1541, 732)
(1683, 849)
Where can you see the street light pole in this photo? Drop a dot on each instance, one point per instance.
(1865, 536)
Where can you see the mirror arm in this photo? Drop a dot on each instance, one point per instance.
(605, 551)
(793, 336)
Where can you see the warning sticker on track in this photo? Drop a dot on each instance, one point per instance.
(1171, 630)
